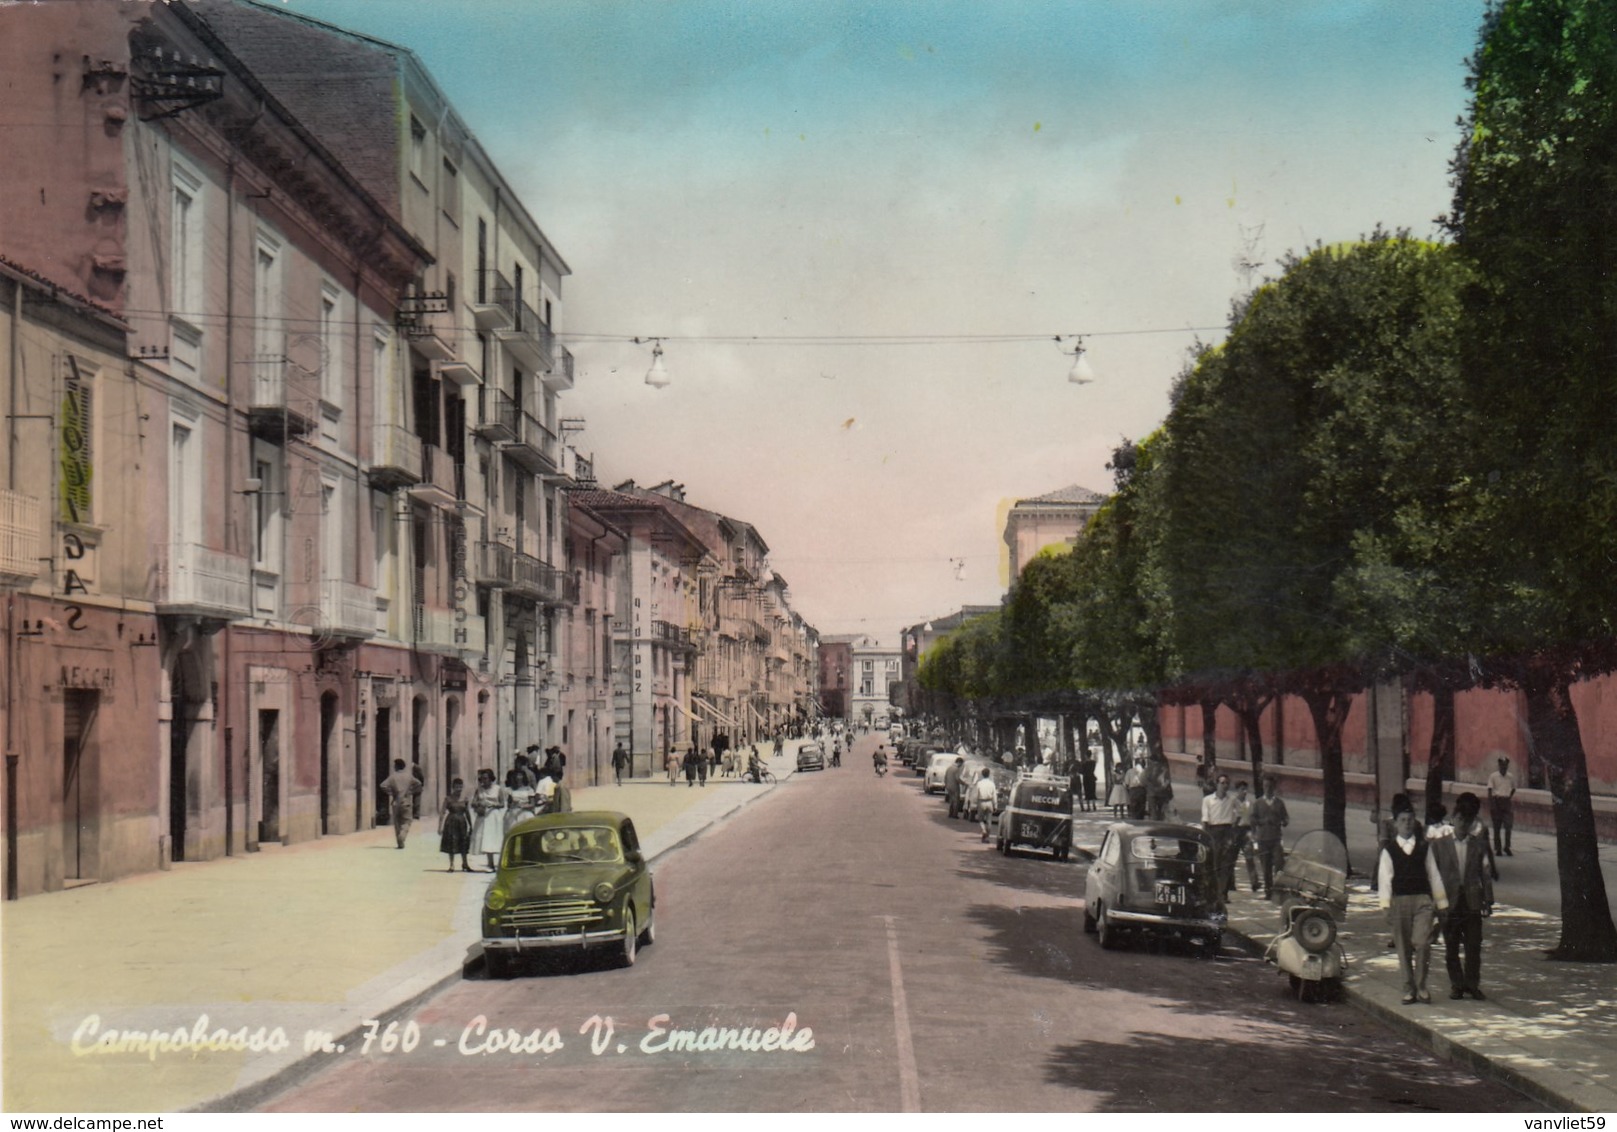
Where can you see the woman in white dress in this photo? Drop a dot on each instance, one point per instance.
(520, 799)
(488, 831)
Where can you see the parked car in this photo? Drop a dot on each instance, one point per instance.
(936, 768)
(1039, 813)
(571, 881)
(1154, 878)
(810, 756)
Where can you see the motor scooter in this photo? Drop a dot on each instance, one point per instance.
(1312, 887)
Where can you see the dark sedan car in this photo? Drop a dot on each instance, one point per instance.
(572, 881)
(1154, 878)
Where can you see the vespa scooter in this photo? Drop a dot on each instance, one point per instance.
(1312, 887)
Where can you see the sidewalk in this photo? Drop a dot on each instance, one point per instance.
(1548, 1030)
(315, 936)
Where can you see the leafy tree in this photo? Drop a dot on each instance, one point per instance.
(1534, 208)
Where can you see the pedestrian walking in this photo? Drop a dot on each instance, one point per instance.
(1466, 865)
(401, 788)
(620, 762)
(1158, 788)
(673, 765)
(953, 788)
(701, 766)
(1117, 797)
(1086, 780)
(1219, 812)
(1243, 834)
(983, 797)
(455, 826)
(1501, 806)
(1135, 784)
(488, 804)
(1269, 818)
(1410, 888)
(690, 762)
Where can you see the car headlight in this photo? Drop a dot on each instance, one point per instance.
(497, 898)
(603, 893)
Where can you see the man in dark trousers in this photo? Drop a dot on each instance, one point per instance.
(402, 789)
(620, 762)
(1410, 888)
(1464, 860)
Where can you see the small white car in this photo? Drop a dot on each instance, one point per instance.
(937, 769)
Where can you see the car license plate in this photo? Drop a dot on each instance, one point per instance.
(1028, 829)
(539, 932)
(1168, 892)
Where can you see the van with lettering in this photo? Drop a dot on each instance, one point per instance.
(1037, 814)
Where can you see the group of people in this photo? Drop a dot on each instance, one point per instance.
(1144, 791)
(479, 823)
(1437, 878)
(1245, 828)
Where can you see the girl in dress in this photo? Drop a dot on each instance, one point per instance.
(487, 830)
(455, 826)
(519, 799)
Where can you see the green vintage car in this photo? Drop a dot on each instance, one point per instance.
(572, 881)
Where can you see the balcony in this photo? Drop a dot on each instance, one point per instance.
(494, 565)
(195, 580)
(459, 373)
(347, 609)
(528, 340)
(395, 457)
(665, 632)
(543, 583)
(495, 306)
(451, 632)
(19, 535)
(437, 484)
(499, 415)
(284, 401)
(560, 376)
(431, 333)
(533, 446)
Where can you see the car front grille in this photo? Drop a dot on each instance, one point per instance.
(554, 913)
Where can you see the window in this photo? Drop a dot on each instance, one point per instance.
(185, 245)
(387, 410)
(418, 151)
(333, 355)
(331, 529)
(449, 191)
(266, 517)
(185, 500)
(268, 334)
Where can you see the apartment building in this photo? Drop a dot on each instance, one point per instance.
(1056, 518)
(873, 678)
(595, 548)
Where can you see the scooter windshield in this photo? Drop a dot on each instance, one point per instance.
(1316, 870)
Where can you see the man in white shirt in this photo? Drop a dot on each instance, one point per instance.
(1220, 812)
(1501, 789)
(984, 795)
(1409, 886)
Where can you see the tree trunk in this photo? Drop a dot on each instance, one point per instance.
(1250, 712)
(1587, 932)
(1209, 735)
(1030, 740)
(1440, 757)
(1070, 745)
(1151, 724)
(1114, 739)
(1329, 711)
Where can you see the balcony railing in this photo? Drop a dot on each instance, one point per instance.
(498, 417)
(437, 483)
(528, 340)
(284, 400)
(395, 457)
(534, 446)
(494, 564)
(495, 308)
(561, 371)
(431, 333)
(347, 609)
(19, 535)
(470, 490)
(447, 631)
(543, 583)
(198, 580)
(669, 633)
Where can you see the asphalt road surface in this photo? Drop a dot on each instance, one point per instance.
(935, 975)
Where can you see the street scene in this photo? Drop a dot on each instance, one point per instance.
(722, 558)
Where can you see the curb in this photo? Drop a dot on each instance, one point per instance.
(250, 1096)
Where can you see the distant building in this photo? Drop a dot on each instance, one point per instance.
(873, 677)
(917, 639)
(1055, 519)
(835, 670)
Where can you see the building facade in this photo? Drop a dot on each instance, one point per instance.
(1055, 519)
(873, 680)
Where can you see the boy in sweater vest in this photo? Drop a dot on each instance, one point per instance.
(1410, 887)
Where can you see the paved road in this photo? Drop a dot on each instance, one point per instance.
(934, 974)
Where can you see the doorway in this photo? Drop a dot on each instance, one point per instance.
(269, 765)
(384, 747)
(80, 817)
(328, 731)
(418, 738)
(452, 714)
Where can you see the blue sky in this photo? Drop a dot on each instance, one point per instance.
(931, 170)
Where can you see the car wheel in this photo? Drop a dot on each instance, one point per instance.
(498, 964)
(648, 934)
(1211, 944)
(1089, 922)
(1064, 852)
(1105, 930)
(1331, 990)
(630, 939)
